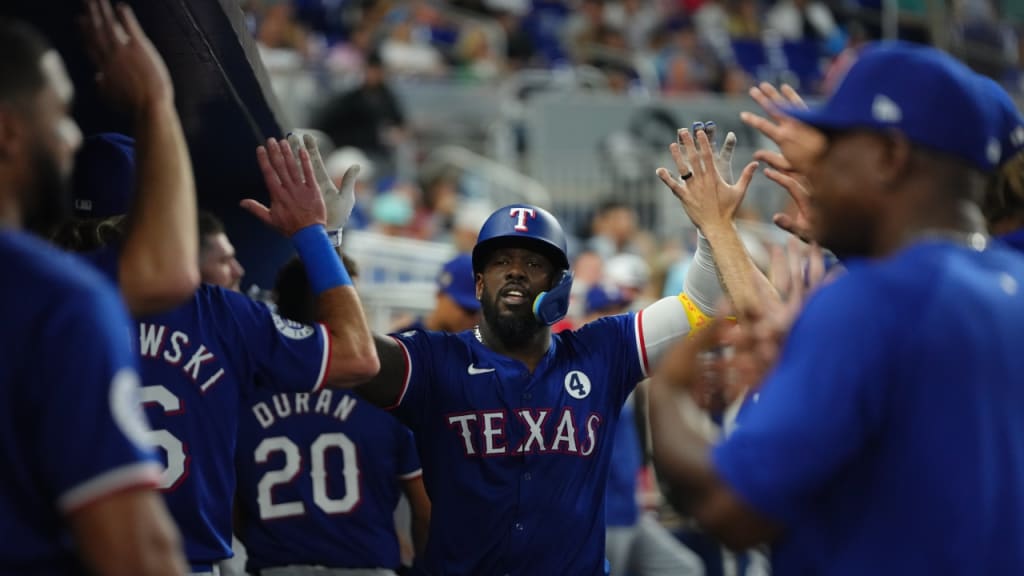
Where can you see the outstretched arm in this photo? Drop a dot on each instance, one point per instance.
(297, 210)
(711, 204)
(159, 261)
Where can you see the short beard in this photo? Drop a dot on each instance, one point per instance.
(514, 331)
(47, 201)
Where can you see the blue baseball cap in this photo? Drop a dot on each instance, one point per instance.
(1008, 123)
(103, 181)
(602, 297)
(459, 283)
(922, 92)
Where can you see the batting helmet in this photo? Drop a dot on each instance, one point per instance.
(533, 228)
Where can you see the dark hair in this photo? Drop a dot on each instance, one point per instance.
(292, 293)
(88, 234)
(209, 225)
(1004, 192)
(22, 47)
(610, 206)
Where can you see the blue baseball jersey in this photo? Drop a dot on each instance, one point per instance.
(516, 463)
(71, 430)
(198, 363)
(1014, 240)
(319, 477)
(889, 439)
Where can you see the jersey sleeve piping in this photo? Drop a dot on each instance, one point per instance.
(641, 345)
(408, 374)
(134, 475)
(325, 362)
(411, 475)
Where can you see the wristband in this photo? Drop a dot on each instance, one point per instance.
(323, 267)
(335, 237)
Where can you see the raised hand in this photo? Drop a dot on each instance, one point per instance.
(723, 157)
(757, 342)
(295, 198)
(339, 203)
(800, 144)
(799, 190)
(129, 69)
(709, 200)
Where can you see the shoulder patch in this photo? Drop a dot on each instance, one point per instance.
(292, 329)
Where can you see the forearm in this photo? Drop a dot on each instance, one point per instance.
(353, 352)
(681, 438)
(159, 260)
(741, 280)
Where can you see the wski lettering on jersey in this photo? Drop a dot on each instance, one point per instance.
(174, 347)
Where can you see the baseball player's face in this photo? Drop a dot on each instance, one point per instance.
(846, 198)
(507, 287)
(217, 263)
(50, 140)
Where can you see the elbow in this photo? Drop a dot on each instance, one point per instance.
(150, 290)
(353, 369)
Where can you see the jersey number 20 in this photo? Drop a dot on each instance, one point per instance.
(318, 475)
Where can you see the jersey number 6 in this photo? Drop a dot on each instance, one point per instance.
(318, 474)
(174, 449)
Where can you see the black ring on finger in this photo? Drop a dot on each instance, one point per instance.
(686, 176)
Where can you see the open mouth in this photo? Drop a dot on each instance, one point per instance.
(514, 296)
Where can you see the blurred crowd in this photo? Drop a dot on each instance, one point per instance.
(690, 46)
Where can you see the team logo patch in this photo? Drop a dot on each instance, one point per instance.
(292, 329)
(577, 384)
(126, 407)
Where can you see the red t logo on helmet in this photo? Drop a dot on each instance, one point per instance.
(520, 213)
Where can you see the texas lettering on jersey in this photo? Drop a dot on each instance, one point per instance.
(483, 433)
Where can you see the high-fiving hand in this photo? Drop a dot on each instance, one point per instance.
(708, 198)
(339, 203)
(295, 198)
(129, 70)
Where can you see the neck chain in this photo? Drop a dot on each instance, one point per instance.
(476, 332)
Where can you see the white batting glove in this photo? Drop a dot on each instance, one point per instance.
(339, 203)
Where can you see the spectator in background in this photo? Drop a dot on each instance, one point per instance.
(687, 64)
(369, 117)
(744, 19)
(628, 274)
(281, 39)
(801, 20)
(457, 308)
(217, 262)
(519, 47)
(583, 27)
(612, 228)
(392, 214)
(350, 57)
(469, 218)
(404, 54)
(436, 210)
(476, 60)
(637, 19)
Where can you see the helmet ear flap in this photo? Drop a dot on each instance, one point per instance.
(551, 306)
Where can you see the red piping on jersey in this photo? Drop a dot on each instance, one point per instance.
(408, 373)
(643, 343)
(327, 366)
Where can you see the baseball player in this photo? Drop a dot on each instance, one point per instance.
(1004, 199)
(514, 424)
(890, 425)
(319, 475)
(77, 488)
(199, 360)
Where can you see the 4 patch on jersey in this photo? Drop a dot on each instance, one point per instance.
(577, 384)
